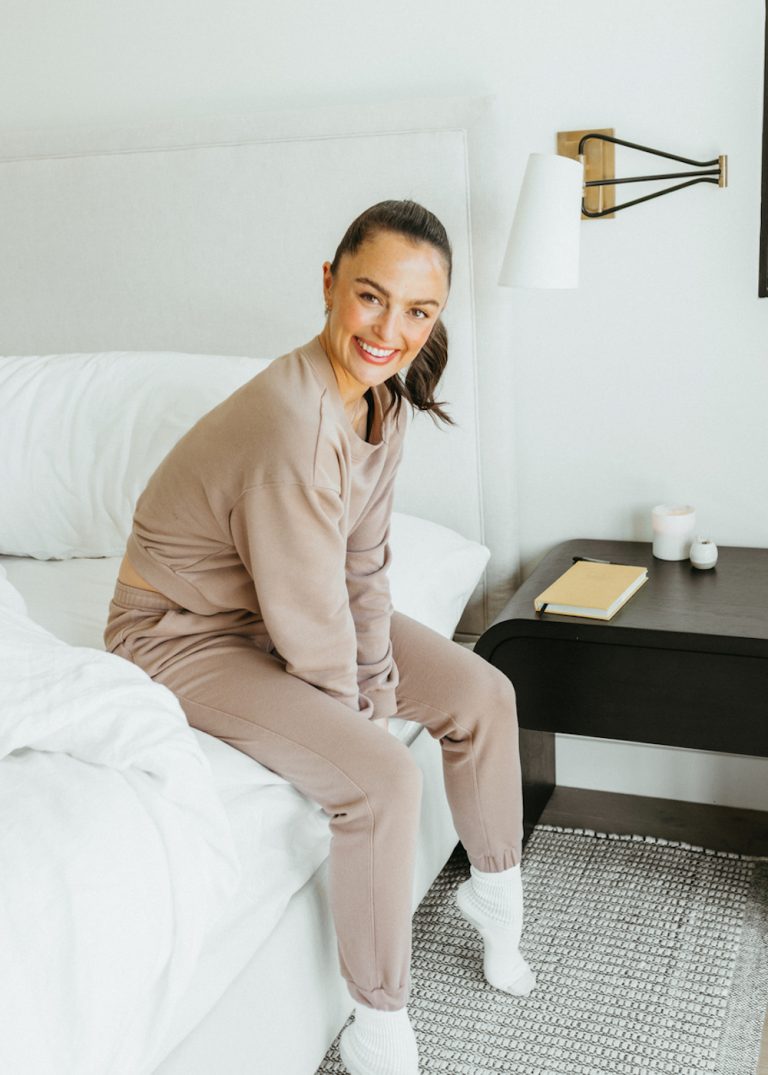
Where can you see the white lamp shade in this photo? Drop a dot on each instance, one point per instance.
(543, 247)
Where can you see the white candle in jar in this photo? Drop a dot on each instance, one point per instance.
(673, 531)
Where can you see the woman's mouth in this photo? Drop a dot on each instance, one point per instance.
(378, 356)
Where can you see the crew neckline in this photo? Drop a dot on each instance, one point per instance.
(321, 364)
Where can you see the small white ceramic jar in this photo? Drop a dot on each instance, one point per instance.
(703, 553)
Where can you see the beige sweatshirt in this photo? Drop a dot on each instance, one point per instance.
(273, 504)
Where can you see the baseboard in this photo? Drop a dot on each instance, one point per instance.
(722, 828)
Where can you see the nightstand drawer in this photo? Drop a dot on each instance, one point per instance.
(681, 698)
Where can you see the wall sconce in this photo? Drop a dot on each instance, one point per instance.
(543, 246)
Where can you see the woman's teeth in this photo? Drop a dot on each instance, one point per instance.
(375, 352)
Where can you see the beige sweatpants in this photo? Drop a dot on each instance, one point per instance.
(361, 775)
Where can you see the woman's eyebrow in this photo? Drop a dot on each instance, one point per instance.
(372, 283)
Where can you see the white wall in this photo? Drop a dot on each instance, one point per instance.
(649, 382)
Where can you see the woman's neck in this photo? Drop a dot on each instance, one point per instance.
(350, 390)
(358, 415)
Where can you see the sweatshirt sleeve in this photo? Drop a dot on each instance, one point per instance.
(290, 537)
(368, 559)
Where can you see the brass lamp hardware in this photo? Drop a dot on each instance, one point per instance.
(599, 163)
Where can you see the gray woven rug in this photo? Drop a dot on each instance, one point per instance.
(651, 956)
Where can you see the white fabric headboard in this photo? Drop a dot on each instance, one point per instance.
(209, 237)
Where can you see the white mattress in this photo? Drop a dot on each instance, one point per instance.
(282, 837)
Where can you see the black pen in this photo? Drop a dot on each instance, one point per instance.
(592, 560)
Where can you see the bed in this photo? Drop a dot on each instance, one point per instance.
(167, 898)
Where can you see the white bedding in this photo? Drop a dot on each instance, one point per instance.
(114, 802)
(143, 862)
(117, 855)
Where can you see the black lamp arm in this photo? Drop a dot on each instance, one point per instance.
(648, 178)
(711, 175)
(645, 149)
(646, 198)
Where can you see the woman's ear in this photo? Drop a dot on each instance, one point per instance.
(327, 284)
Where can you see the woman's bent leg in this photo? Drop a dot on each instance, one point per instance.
(470, 707)
(363, 777)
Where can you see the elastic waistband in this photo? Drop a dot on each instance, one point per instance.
(136, 597)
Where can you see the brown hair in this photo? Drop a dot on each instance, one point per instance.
(416, 223)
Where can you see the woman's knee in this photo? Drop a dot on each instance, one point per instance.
(502, 688)
(506, 701)
(489, 701)
(487, 690)
(393, 777)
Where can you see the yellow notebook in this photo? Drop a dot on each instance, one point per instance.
(594, 590)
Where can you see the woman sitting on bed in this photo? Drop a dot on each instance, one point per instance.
(255, 587)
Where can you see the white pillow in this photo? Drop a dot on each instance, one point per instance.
(434, 571)
(82, 433)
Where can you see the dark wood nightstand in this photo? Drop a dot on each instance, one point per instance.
(684, 663)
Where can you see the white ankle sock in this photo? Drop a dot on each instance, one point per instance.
(493, 904)
(379, 1043)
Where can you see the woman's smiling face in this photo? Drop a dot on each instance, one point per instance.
(384, 301)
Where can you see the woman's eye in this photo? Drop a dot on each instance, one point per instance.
(368, 297)
(419, 314)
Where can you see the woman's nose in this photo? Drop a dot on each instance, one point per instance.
(386, 325)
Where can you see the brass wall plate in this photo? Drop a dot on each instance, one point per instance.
(723, 172)
(599, 163)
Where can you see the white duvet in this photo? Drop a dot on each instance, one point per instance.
(116, 855)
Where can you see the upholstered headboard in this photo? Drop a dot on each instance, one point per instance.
(209, 237)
